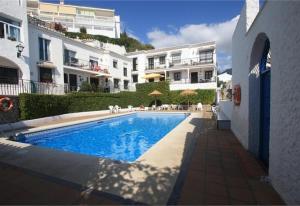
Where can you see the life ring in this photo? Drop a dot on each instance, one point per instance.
(6, 104)
(237, 94)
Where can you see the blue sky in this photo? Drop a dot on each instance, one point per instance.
(168, 23)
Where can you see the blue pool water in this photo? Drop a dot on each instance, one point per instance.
(122, 138)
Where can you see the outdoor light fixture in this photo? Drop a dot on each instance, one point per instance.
(20, 48)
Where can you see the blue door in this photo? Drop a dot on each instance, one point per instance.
(265, 117)
(265, 92)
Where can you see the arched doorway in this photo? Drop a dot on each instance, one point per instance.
(259, 98)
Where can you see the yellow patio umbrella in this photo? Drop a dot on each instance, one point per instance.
(155, 94)
(151, 76)
(187, 93)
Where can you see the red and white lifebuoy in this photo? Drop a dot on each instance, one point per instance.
(237, 94)
(6, 104)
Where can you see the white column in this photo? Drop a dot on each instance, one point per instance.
(188, 71)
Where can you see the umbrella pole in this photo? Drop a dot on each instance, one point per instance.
(155, 102)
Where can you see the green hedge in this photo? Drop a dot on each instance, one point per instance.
(34, 106)
(205, 96)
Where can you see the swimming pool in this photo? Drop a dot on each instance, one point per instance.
(123, 138)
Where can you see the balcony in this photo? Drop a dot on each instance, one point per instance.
(188, 84)
(188, 62)
(9, 31)
(85, 65)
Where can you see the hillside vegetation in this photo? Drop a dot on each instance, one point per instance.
(130, 43)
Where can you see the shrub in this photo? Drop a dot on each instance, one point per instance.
(37, 105)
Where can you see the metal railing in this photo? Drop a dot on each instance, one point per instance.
(27, 86)
(85, 65)
(38, 22)
(189, 81)
(182, 62)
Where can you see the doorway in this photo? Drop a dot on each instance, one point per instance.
(194, 77)
(265, 97)
(73, 82)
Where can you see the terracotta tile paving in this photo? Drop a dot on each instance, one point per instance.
(18, 186)
(222, 172)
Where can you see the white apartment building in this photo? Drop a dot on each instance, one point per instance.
(55, 58)
(13, 33)
(37, 59)
(97, 21)
(190, 66)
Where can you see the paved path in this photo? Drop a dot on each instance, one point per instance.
(220, 171)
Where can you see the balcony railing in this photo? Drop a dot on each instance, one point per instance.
(182, 62)
(9, 31)
(85, 65)
(27, 86)
(189, 81)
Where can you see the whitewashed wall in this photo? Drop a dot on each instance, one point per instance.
(56, 53)
(15, 10)
(279, 20)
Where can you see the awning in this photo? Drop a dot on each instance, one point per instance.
(152, 75)
(103, 75)
(48, 65)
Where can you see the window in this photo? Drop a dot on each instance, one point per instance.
(206, 56)
(46, 75)
(151, 63)
(44, 49)
(134, 78)
(115, 64)
(126, 84)
(66, 79)
(125, 71)
(116, 83)
(177, 76)
(9, 29)
(8, 75)
(162, 60)
(69, 57)
(208, 74)
(134, 64)
(176, 58)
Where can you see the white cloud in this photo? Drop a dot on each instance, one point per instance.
(195, 33)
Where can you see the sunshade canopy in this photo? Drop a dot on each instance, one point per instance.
(188, 92)
(155, 93)
(151, 76)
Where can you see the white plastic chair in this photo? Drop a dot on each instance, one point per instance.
(153, 107)
(111, 108)
(130, 108)
(117, 108)
(199, 106)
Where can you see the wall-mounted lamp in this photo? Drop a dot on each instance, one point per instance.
(20, 49)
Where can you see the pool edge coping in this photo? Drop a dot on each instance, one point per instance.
(144, 159)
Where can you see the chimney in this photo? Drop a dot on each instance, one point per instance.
(252, 9)
(61, 2)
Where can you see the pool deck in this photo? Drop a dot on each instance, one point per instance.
(217, 170)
